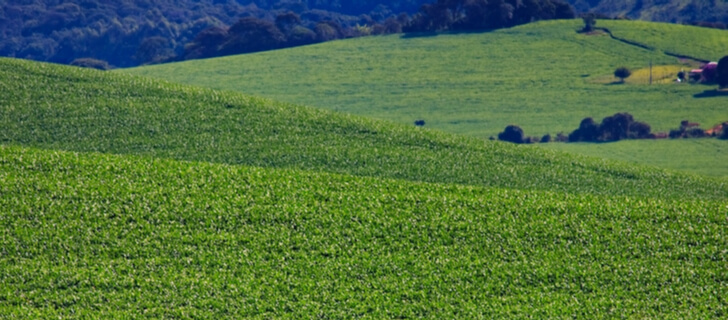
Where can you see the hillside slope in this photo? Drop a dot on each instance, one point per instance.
(57, 107)
(103, 236)
(541, 76)
(544, 77)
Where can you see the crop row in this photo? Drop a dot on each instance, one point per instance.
(121, 236)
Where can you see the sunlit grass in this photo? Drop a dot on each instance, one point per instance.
(544, 77)
(101, 236)
(59, 107)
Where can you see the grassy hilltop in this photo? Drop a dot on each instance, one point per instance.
(128, 197)
(540, 76)
(544, 76)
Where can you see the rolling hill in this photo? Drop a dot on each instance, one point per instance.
(56, 107)
(128, 197)
(544, 77)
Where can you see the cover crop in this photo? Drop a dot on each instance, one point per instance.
(103, 236)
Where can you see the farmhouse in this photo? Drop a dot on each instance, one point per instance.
(706, 74)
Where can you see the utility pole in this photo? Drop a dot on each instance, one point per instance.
(650, 72)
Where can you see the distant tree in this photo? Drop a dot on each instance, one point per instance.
(300, 35)
(622, 73)
(613, 128)
(328, 30)
(590, 20)
(722, 72)
(639, 130)
(154, 50)
(392, 25)
(420, 123)
(616, 127)
(563, 10)
(588, 131)
(546, 138)
(285, 22)
(512, 133)
(250, 35)
(206, 44)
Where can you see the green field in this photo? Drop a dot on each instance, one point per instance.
(101, 236)
(544, 77)
(57, 107)
(701, 43)
(537, 76)
(129, 197)
(704, 156)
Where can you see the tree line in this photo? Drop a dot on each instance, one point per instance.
(289, 29)
(134, 32)
(485, 14)
(620, 126)
(103, 34)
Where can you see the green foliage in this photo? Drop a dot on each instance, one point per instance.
(617, 127)
(316, 227)
(622, 73)
(172, 239)
(76, 109)
(722, 72)
(480, 14)
(116, 31)
(512, 133)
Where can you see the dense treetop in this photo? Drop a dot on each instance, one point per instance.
(126, 33)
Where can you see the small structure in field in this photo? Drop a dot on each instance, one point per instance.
(706, 74)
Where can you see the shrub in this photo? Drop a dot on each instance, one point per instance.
(687, 130)
(561, 137)
(512, 133)
(724, 133)
(420, 123)
(588, 131)
(530, 140)
(546, 138)
(91, 63)
(613, 128)
(676, 133)
(695, 133)
(639, 130)
(301, 36)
